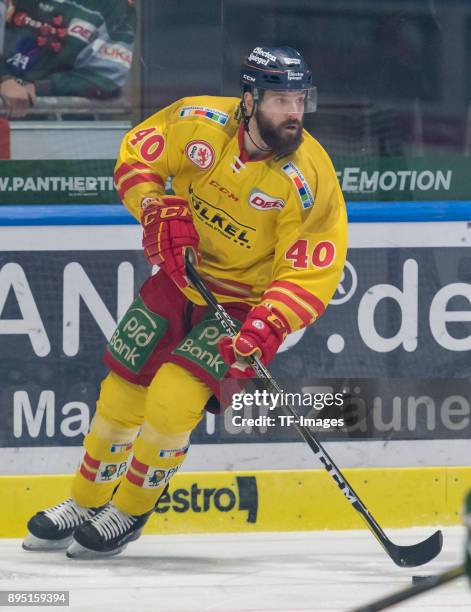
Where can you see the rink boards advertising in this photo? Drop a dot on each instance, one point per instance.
(205, 502)
(402, 306)
(403, 309)
(85, 181)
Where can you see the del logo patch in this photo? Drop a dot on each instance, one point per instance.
(204, 111)
(304, 192)
(262, 201)
(121, 447)
(200, 153)
(174, 452)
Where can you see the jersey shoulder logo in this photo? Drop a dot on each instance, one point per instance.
(261, 201)
(206, 112)
(200, 153)
(304, 191)
(83, 30)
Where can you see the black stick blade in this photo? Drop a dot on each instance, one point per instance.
(416, 554)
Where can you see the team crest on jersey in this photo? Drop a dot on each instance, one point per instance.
(262, 201)
(204, 111)
(304, 191)
(200, 153)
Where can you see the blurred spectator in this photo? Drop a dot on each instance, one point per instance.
(3, 10)
(64, 48)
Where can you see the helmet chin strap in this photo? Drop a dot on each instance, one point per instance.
(256, 145)
(246, 118)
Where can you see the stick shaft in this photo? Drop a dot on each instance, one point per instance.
(401, 555)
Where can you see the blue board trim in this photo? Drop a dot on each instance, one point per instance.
(116, 214)
(65, 214)
(389, 212)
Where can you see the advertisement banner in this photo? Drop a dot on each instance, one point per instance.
(75, 181)
(404, 178)
(249, 501)
(366, 178)
(400, 312)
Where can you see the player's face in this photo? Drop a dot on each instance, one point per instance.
(280, 119)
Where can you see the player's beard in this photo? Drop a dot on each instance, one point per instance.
(280, 141)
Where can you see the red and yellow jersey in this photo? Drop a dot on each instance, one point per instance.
(272, 230)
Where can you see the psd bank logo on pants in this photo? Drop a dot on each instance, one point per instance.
(242, 498)
(136, 336)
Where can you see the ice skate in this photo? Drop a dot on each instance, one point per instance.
(106, 534)
(52, 529)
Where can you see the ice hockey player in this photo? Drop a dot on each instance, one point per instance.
(258, 200)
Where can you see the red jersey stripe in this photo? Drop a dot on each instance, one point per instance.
(303, 314)
(302, 293)
(125, 168)
(136, 180)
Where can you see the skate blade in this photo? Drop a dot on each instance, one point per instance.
(31, 542)
(77, 551)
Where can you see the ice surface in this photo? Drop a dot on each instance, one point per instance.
(272, 572)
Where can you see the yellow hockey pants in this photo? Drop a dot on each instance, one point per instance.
(139, 438)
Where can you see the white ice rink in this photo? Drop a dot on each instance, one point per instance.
(276, 572)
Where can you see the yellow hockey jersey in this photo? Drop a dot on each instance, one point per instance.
(271, 230)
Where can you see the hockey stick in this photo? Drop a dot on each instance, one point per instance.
(404, 556)
(426, 585)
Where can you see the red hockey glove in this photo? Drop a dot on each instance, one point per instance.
(261, 334)
(168, 231)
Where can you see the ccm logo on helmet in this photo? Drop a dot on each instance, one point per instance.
(262, 201)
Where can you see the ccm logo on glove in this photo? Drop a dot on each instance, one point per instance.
(167, 212)
(168, 232)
